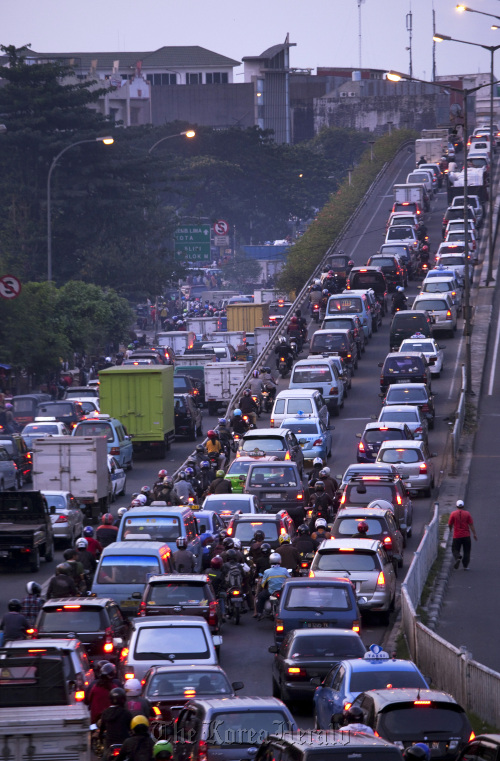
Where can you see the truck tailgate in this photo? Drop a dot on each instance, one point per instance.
(46, 733)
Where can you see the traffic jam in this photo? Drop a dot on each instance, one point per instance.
(239, 604)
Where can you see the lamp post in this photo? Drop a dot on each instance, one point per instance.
(107, 141)
(189, 133)
(492, 49)
(461, 8)
(396, 76)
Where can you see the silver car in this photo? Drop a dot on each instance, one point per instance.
(413, 461)
(409, 414)
(8, 471)
(65, 514)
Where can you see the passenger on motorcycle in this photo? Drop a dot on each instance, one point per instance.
(184, 561)
(162, 473)
(295, 331)
(330, 282)
(302, 323)
(321, 532)
(315, 293)
(322, 505)
(331, 484)
(303, 542)
(220, 484)
(86, 559)
(256, 386)
(316, 468)
(225, 437)
(325, 295)
(272, 581)
(256, 544)
(184, 488)
(290, 556)
(167, 493)
(215, 448)
(399, 300)
(202, 483)
(249, 407)
(284, 350)
(237, 423)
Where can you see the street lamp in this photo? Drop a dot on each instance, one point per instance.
(188, 133)
(107, 141)
(492, 49)
(461, 8)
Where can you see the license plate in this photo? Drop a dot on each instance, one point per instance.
(315, 625)
(273, 495)
(401, 380)
(129, 603)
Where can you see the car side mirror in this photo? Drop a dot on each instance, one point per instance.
(237, 685)
(380, 364)
(272, 648)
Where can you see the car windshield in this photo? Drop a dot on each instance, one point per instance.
(269, 475)
(179, 404)
(94, 428)
(335, 560)
(72, 618)
(365, 492)
(433, 305)
(187, 684)
(302, 428)
(348, 527)
(406, 395)
(382, 678)
(399, 416)
(350, 304)
(328, 342)
(400, 721)
(172, 593)
(159, 528)
(267, 444)
(43, 429)
(400, 233)
(309, 597)
(376, 435)
(56, 410)
(426, 347)
(127, 569)
(238, 468)
(171, 642)
(245, 530)
(395, 456)
(312, 374)
(245, 727)
(328, 645)
(403, 365)
(456, 235)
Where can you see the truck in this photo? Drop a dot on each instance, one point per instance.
(41, 717)
(222, 381)
(202, 326)
(476, 184)
(247, 316)
(432, 149)
(77, 464)
(142, 398)
(174, 339)
(26, 532)
(264, 295)
(262, 337)
(437, 132)
(412, 193)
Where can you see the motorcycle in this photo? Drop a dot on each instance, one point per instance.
(283, 367)
(315, 312)
(305, 563)
(257, 401)
(235, 601)
(248, 422)
(402, 306)
(294, 347)
(272, 604)
(268, 397)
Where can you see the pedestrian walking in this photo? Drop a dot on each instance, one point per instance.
(462, 524)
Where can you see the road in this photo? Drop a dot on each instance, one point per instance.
(244, 652)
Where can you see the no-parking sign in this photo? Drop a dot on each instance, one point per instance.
(221, 227)
(10, 287)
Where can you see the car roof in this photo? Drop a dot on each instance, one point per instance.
(315, 358)
(61, 492)
(179, 577)
(376, 424)
(408, 385)
(401, 407)
(335, 331)
(298, 393)
(299, 419)
(169, 621)
(237, 497)
(243, 703)
(399, 354)
(188, 667)
(278, 463)
(425, 297)
(262, 432)
(325, 738)
(371, 545)
(408, 695)
(258, 517)
(443, 279)
(153, 510)
(368, 512)
(366, 664)
(330, 632)
(299, 580)
(132, 547)
(43, 642)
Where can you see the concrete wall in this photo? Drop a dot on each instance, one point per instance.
(230, 105)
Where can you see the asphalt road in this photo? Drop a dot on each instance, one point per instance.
(244, 652)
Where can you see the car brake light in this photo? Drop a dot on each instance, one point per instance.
(418, 430)
(283, 530)
(387, 542)
(72, 607)
(271, 422)
(421, 702)
(124, 653)
(287, 456)
(398, 499)
(423, 467)
(236, 592)
(114, 450)
(300, 496)
(448, 313)
(156, 711)
(334, 391)
(108, 647)
(279, 625)
(62, 519)
(142, 609)
(472, 736)
(346, 549)
(129, 675)
(381, 579)
(212, 613)
(202, 750)
(229, 530)
(296, 671)
(356, 626)
(361, 446)
(318, 442)
(312, 575)
(31, 633)
(80, 695)
(342, 499)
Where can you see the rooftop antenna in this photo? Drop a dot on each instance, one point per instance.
(409, 29)
(359, 30)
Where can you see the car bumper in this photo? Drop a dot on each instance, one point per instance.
(366, 457)
(300, 690)
(422, 481)
(376, 601)
(311, 454)
(62, 531)
(443, 325)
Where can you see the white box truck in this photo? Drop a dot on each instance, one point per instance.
(78, 464)
(432, 149)
(222, 381)
(410, 193)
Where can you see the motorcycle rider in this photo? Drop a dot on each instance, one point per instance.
(93, 546)
(302, 323)
(162, 473)
(256, 544)
(106, 533)
(14, 625)
(322, 504)
(147, 492)
(294, 330)
(215, 448)
(330, 282)
(32, 604)
(355, 721)
(220, 485)
(314, 474)
(268, 380)
(232, 571)
(200, 455)
(136, 704)
(77, 570)
(183, 488)
(321, 532)
(139, 747)
(271, 582)
(331, 484)
(115, 720)
(225, 437)
(284, 350)
(119, 515)
(303, 542)
(229, 544)
(325, 295)
(248, 406)
(290, 556)
(167, 493)
(399, 300)
(184, 561)
(237, 423)
(315, 293)
(62, 584)
(87, 560)
(98, 695)
(256, 386)
(216, 576)
(204, 479)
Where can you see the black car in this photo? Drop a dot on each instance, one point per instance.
(196, 374)
(393, 269)
(406, 324)
(187, 417)
(482, 746)
(406, 254)
(308, 653)
(97, 622)
(319, 744)
(181, 594)
(406, 367)
(244, 525)
(374, 434)
(361, 278)
(68, 411)
(183, 384)
(18, 451)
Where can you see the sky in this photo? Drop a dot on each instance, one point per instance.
(325, 31)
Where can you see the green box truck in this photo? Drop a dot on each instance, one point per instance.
(142, 398)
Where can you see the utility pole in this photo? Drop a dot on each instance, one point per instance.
(433, 44)
(409, 29)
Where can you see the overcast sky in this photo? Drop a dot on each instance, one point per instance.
(325, 31)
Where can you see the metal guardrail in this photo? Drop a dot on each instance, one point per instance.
(459, 425)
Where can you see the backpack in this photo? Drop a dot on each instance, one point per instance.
(235, 576)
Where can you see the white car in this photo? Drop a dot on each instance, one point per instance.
(431, 350)
(43, 426)
(65, 514)
(439, 307)
(118, 478)
(409, 414)
(412, 460)
(402, 234)
(471, 201)
(445, 284)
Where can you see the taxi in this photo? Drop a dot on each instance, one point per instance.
(314, 438)
(431, 350)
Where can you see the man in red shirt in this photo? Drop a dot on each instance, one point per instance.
(461, 522)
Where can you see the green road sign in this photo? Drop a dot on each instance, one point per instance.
(192, 242)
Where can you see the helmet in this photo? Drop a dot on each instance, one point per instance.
(216, 562)
(138, 721)
(162, 473)
(282, 340)
(425, 748)
(182, 475)
(303, 529)
(162, 749)
(317, 461)
(133, 688)
(350, 263)
(64, 568)
(317, 282)
(211, 433)
(107, 519)
(200, 448)
(363, 527)
(98, 666)
(15, 605)
(222, 421)
(182, 542)
(320, 523)
(82, 543)
(88, 531)
(247, 392)
(231, 554)
(118, 696)
(142, 499)
(284, 539)
(400, 289)
(319, 486)
(121, 511)
(326, 470)
(325, 292)
(294, 320)
(417, 753)
(354, 715)
(323, 473)
(381, 504)
(265, 548)
(237, 544)
(189, 471)
(255, 373)
(69, 554)
(274, 558)
(33, 588)
(168, 481)
(259, 535)
(228, 543)
(331, 273)
(237, 413)
(460, 503)
(220, 474)
(109, 670)
(136, 503)
(204, 465)
(145, 490)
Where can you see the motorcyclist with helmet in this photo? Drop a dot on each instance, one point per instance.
(184, 561)
(248, 407)
(183, 488)
(237, 423)
(355, 721)
(61, 584)
(294, 331)
(314, 474)
(163, 750)
(225, 437)
(303, 542)
(330, 282)
(202, 483)
(220, 485)
(215, 448)
(284, 350)
(98, 697)
(114, 727)
(167, 492)
(325, 295)
(106, 533)
(14, 624)
(399, 300)
(290, 556)
(77, 570)
(162, 473)
(268, 380)
(321, 531)
(256, 386)
(119, 515)
(323, 505)
(229, 544)
(87, 561)
(315, 293)
(302, 323)
(255, 545)
(32, 604)
(146, 490)
(331, 484)
(136, 704)
(361, 530)
(200, 455)
(417, 752)
(271, 582)
(216, 576)
(93, 546)
(139, 747)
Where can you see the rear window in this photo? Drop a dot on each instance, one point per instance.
(97, 428)
(350, 304)
(339, 323)
(408, 322)
(402, 721)
(160, 528)
(406, 395)
(127, 569)
(363, 494)
(188, 684)
(376, 436)
(305, 597)
(229, 505)
(386, 261)
(348, 527)
(312, 374)
(42, 429)
(71, 619)
(55, 410)
(273, 476)
(179, 405)
(403, 366)
(450, 261)
(305, 428)
(180, 382)
(246, 728)
(267, 444)
(57, 501)
(238, 468)
(328, 343)
(400, 233)
(395, 456)
(177, 594)
(158, 642)
(433, 305)
(334, 560)
(363, 280)
(299, 405)
(395, 221)
(433, 287)
(387, 415)
(382, 679)
(327, 646)
(245, 530)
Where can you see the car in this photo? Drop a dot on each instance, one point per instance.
(308, 653)
(140, 361)
(354, 304)
(163, 640)
(445, 284)
(278, 485)
(456, 212)
(312, 435)
(402, 218)
(455, 225)
(8, 470)
(342, 342)
(118, 442)
(67, 411)
(436, 169)
(407, 255)
(238, 470)
(410, 715)
(181, 594)
(408, 414)
(407, 323)
(158, 525)
(431, 350)
(196, 379)
(339, 263)
(292, 401)
(366, 563)
(481, 746)
(226, 505)
(473, 201)
(146, 353)
(452, 256)
(66, 515)
(184, 384)
(403, 206)
(347, 679)
(344, 370)
(118, 478)
(361, 490)
(316, 604)
(448, 273)
(401, 234)
(370, 278)
(243, 527)
(373, 436)
(352, 322)
(208, 521)
(458, 236)
(25, 405)
(97, 622)
(441, 309)
(18, 452)
(168, 689)
(316, 745)
(278, 311)
(322, 374)
(43, 427)
(413, 461)
(272, 442)
(187, 416)
(424, 178)
(404, 367)
(414, 394)
(77, 669)
(227, 729)
(84, 395)
(382, 525)
(364, 469)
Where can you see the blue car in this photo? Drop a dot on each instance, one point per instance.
(313, 436)
(346, 680)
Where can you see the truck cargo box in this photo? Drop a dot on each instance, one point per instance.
(247, 316)
(222, 381)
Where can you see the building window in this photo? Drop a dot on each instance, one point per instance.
(194, 79)
(217, 78)
(162, 79)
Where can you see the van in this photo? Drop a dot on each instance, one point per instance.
(335, 342)
(321, 374)
(351, 303)
(118, 441)
(125, 568)
(25, 406)
(361, 278)
(292, 401)
(406, 324)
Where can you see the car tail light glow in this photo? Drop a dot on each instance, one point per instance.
(62, 519)
(361, 446)
(142, 609)
(381, 579)
(296, 671)
(202, 750)
(388, 543)
(72, 607)
(80, 695)
(334, 391)
(421, 702)
(342, 499)
(423, 467)
(356, 626)
(114, 450)
(189, 692)
(312, 575)
(124, 653)
(287, 456)
(212, 613)
(398, 499)
(318, 443)
(472, 736)
(271, 422)
(156, 711)
(448, 313)
(229, 530)
(300, 495)
(279, 625)
(346, 549)
(236, 592)
(31, 633)
(129, 675)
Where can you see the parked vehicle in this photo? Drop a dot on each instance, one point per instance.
(26, 532)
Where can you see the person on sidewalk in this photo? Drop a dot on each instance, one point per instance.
(462, 524)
